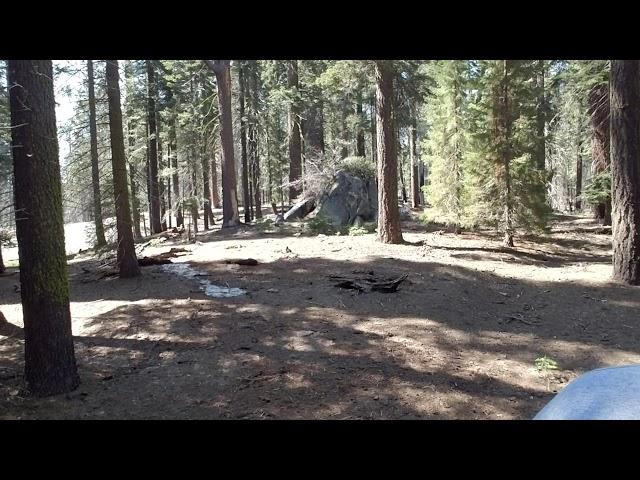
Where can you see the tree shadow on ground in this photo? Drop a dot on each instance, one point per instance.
(452, 342)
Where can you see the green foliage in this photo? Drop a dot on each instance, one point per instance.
(545, 363)
(320, 225)
(361, 167)
(507, 191)
(444, 147)
(364, 229)
(599, 190)
(264, 224)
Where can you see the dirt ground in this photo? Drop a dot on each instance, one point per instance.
(458, 340)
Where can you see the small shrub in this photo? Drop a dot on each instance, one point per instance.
(319, 225)
(362, 167)
(544, 365)
(264, 225)
(363, 229)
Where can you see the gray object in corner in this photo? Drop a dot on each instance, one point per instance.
(611, 393)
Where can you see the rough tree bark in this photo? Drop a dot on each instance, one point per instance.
(230, 216)
(253, 140)
(50, 365)
(126, 256)
(295, 147)
(215, 196)
(246, 199)
(154, 187)
(389, 230)
(598, 112)
(95, 170)
(625, 169)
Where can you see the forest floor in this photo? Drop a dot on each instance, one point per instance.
(457, 340)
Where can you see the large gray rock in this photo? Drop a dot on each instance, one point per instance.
(350, 197)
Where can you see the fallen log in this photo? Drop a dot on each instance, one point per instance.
(162, 258)
(243, 261)
(384, 285)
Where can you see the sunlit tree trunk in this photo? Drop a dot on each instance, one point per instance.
(126, 256)
(389, 230)
(95, 171)
(230, 217)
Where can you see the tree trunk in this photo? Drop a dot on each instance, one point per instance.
(374, 143)
(175, 180)
(2, 267)
(126, 257)
(295, 147)
(95, 170)
(253, 141)
(134, 201)
(50, 365)
(599, 118)
(208, 214)
(169, 199)
(230, 217)
(246, 199)
(401, 164)
(540, 117)
(360, 152)
(161, 190)
(154, 192)
(214, 182)
(578, 201)
(503, 133)
(625, 169)
(415, 187)
(389, 230)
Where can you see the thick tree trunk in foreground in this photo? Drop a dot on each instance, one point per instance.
(625, 169)
(154, 188)
(389, 230)
(246, 198)
(95, 171)
(50, 365)
(599, 118)
(126, 258)
(415, 187)
(295, 147)
(2, 267)
(230, 216)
